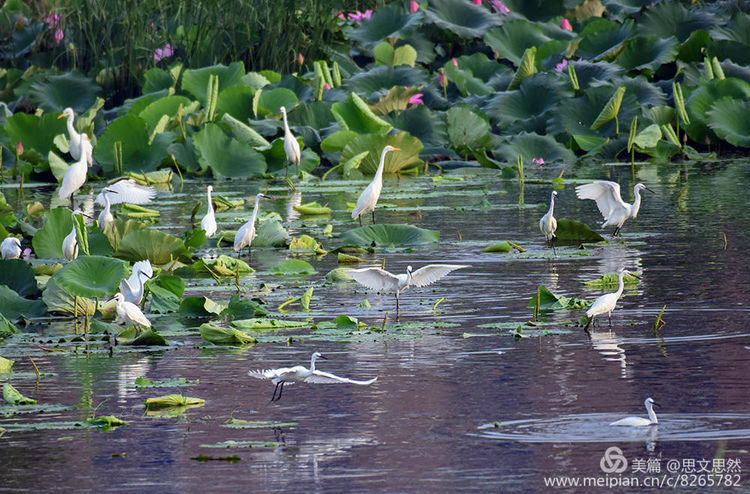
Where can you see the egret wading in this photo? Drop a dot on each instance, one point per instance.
(246, 233)
(382, 280)
(607, 196)
(130, 313)
(606, 303)
(70, 242)
(208, 223)
(300, 373)
(291, 146)
(640, 421)
(11, 248)
(369, 197)
(548, 223)
(132, 287)
(75, 175)
(74, 137)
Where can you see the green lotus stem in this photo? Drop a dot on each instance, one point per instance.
(536, 305)
(336, 74)
(718, 71)
(330, 170)
(291, 300)
(434, 307)
(708, 70)
(213, 97)
(573, 77)
(179, 172)
(659, 322)
(118, 157)
(519, 167)
(36, 369)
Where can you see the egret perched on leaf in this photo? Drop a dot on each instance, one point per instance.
(105, 217)
(208, 223)
(126, 190)
(640, 421)
(75, 176)
(246, 233)
(11, 248)
(132, 287)
(300, 373)
(70, 242)
(607, 196)
(382, 280)
(130, 313)
(75, 139)
(605, 304)
(291, 146)
(548, 223)
(369, 197)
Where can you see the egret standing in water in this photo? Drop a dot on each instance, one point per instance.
(70, 242)
(208, 223)
(300, 373)
(640, 421)
(369, 197)
(607, 196)
(246, 233)
(605, 304)
(291, 146)
(548, 223)
(130, 313)
(11, 248)
(75, 139)
(75, 176)
(132, 287)
(382, 280)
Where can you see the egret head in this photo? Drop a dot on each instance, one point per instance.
(210, 188)
(626, 272)
(282, 110)
(118, 297)
(408, 269)
(261, 196)
(15, 241)
(390, 148)
(640, 186)
(107, 190)
(68, 112)
(650, 403)
(318, 355)
(554, 194)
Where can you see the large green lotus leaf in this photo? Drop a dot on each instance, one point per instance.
(540, 10)
(422, 123)
(354, 114)
(338, 140)
(195, 81)
(14, 307)
(464, 19)
(602, 39)
(647, 52)
(55, 92)
(237, 101)
(465, 81)
(270, 233)
(137, 154)
(219, 335)
(386, 235)
(166, 293)
(18, 275)
(728, 117)
(316, 115)
(514, 37)
(610, 110)
(156, 79)
(531, 146)
(389, 21)
(92, 276)
(576, 115)
(269, 101)
(158, 247)
(47, 241)
(737, 29)
(589, 73)
(644, 92)
(648, 137)
(60, 301)
(34, 132)
(380, 79)
(694, 49)
(536, 96)
(622, 8)
(575, 231)
(226, 156)
(168, 105)
(467, 130)
(702, 99)
(666, 19)
(395, 161)
(243, 132)
(547, 300)
(293, 267)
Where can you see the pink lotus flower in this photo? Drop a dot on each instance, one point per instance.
(537, 161)
(341, 16)
(360, 16)
(19, 148)
(499, 7)
(560, 66)
(455, 62)
(26, 254)
(413, 7)
(442, 79)
(59, 35)
(162, 53)
(565, 24)
(53, 20)
(300, 58)
(416, 99)
(326, 86)
(476, 2)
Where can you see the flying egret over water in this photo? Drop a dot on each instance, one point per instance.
(605, 304)
(208, 223)
(607, 196)
(382, 280)
(548, 223)
(300, 373)
(105, 217)
(132, 287)
(75, 139)
(75, 176)
(130, 313)
(640, 421)
(291, 146)
(126, 190)
(246, 233)
(11, 248)
(369, 197)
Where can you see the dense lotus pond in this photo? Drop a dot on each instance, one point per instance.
(464, 400)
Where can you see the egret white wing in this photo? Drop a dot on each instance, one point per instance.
(135, 314)
(605, 193)
(127, 190)
(291, 148)
(374, 278)
(320, 377)
(429, 274)
(144, 267)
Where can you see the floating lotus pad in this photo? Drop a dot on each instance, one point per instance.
(92, 276)
(386, 235)
(219, 335)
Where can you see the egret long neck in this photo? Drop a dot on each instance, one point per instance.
(651, 413)
(312, 362)
(621, 285)
(69, 123)
(210, 204)
(106, 203)
(255, 211)
(551, 205)
(636, 203)
(286, 124)
(381, 167)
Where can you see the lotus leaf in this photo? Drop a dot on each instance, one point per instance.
(465, 20)
(269, 101)
(380, 79)
(550, 301)
(674, 19)
(149, 337)
(143, 382)
(244, 133)
(18, 275)
(536, 96)
(7, 328)
(166, 293)
(266, 324)
(293, 267)
(312, 208)
(6, 366)
(223, 266)
(387, 235)
(154, 245)
(514, 37)
(37, 133)
(398, 161)
(15, 307)
(14, 397)
(467, 131)
(647, 52)
(575, 231)
(503, 246)
(728, 118)
(168, 105)
(604, 38)
(54, 92)
(219, 335)
(139, 153)
(170, 401)
(612, 280)
(58, 300)
(92, 276)
(270, 232)
(354, 114)
(530, 146)
(195, 81)
(389, 21)
(237, 102)
(226, 156)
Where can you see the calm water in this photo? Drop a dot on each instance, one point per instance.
(449, 411)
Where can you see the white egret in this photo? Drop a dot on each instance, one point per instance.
(11, 248)
(369, 197)
(105, 217)
(300, 373)
(548, 223)
(382, 280)
(74, 137)
(127, 190)
(130, 313)
(75, 176)
(132, 287)
(607, 196)
(246, 233)
(291, 146)
(605, 304)
(208, 223)
(640, 421)
(70, 242)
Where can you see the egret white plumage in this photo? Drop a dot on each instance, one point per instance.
(246, 233)
(208, 223)
(300, 373)
(291, 146)
(606, 303)
(75, 175)
(70, 242)
(105, 217)
(132, 287)
(74, 137)
(11, 248)
(640, 421)
(127, 190)
(607, 196)
(548, 223)
(130, 313)
(382, 280)
(369, 197)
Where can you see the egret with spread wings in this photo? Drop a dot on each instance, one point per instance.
(607, 196)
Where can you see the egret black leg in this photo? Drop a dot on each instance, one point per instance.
(72, 205)
(360, 219)
(552, 244)
(281, 390)
(586, 327)
(610, 319)
(273, 396)
(373, 216)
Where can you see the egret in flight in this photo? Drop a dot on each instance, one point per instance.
(208, 223)
(382, 280)
(11, 248)
(607, 196)
(75, 144)
(605, 304)
(75, 176)
(548, 223)
(246, 233)
(300, 373)
(130, 313)
(132, 287)
(640, 421)
(369, 197)
(291, 146)
(126, 190)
